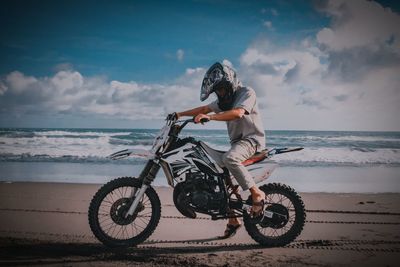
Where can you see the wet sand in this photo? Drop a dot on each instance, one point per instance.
(46, 224)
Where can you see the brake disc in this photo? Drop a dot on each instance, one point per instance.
(120, 208)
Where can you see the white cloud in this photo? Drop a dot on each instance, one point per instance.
(68, 92)
(65, 80)
(180, 54)
(359, 23)
(190, 71)
(3, 88)
(19, 82)
(333, 80)
(280, 76)
(268, 25)
(274, 12)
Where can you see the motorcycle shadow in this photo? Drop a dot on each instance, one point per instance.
(32, 252)
(213, 244)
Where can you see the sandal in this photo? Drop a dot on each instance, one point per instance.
(230, 231)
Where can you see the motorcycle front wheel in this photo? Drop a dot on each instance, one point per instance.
(109, 206)
(287, 221)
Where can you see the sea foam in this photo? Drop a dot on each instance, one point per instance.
(94, 145)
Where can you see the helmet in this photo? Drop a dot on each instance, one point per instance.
(218, 74)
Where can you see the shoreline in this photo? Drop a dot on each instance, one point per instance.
(167, 187)
(371, 179)
(46, 223)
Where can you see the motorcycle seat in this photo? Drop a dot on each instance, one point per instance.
(257, 157)
(217, 155)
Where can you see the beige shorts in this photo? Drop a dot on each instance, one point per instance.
(233, 158)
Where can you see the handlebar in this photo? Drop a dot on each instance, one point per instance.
(185, 122)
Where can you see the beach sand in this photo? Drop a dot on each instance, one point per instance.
(46, 224)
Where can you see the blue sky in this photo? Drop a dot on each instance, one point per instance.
(87, 63)
(138, 40)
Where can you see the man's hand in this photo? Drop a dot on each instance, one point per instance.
(201, 116)
(194, 112)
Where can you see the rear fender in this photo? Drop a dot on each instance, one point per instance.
(262, 170)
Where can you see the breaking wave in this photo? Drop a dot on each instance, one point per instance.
(94, 145)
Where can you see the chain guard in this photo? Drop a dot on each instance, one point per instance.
(279, 218)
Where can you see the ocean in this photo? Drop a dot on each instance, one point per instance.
(329, 158)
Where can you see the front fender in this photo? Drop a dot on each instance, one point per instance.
(131, 152)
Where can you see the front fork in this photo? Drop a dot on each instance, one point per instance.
(146, 177)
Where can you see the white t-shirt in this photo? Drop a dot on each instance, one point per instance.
(250, 125)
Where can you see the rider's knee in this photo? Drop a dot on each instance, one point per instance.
(229, 159)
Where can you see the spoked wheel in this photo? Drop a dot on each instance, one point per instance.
(284, 217)
(108, 209)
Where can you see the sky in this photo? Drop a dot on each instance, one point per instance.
(315, 65)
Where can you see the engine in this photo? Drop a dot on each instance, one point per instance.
(200, 192)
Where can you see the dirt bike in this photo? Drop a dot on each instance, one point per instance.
(126, 211)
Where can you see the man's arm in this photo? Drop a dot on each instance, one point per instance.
(195, 111)
(229, 115)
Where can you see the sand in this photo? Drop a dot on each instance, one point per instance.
(46, 224)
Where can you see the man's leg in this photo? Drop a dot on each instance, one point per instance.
(232, 159)
(239, 152)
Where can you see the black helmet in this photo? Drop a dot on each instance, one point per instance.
(219, 75)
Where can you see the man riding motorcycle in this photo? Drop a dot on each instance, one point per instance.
(237, 105)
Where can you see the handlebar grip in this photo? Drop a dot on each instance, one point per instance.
(203, 120)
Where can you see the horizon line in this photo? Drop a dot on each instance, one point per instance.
(110, 128)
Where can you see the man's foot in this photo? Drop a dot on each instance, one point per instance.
(258, 204)
(257, 209)
(230, 230)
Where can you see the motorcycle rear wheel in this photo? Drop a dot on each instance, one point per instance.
(278, 232)
(110, 204)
